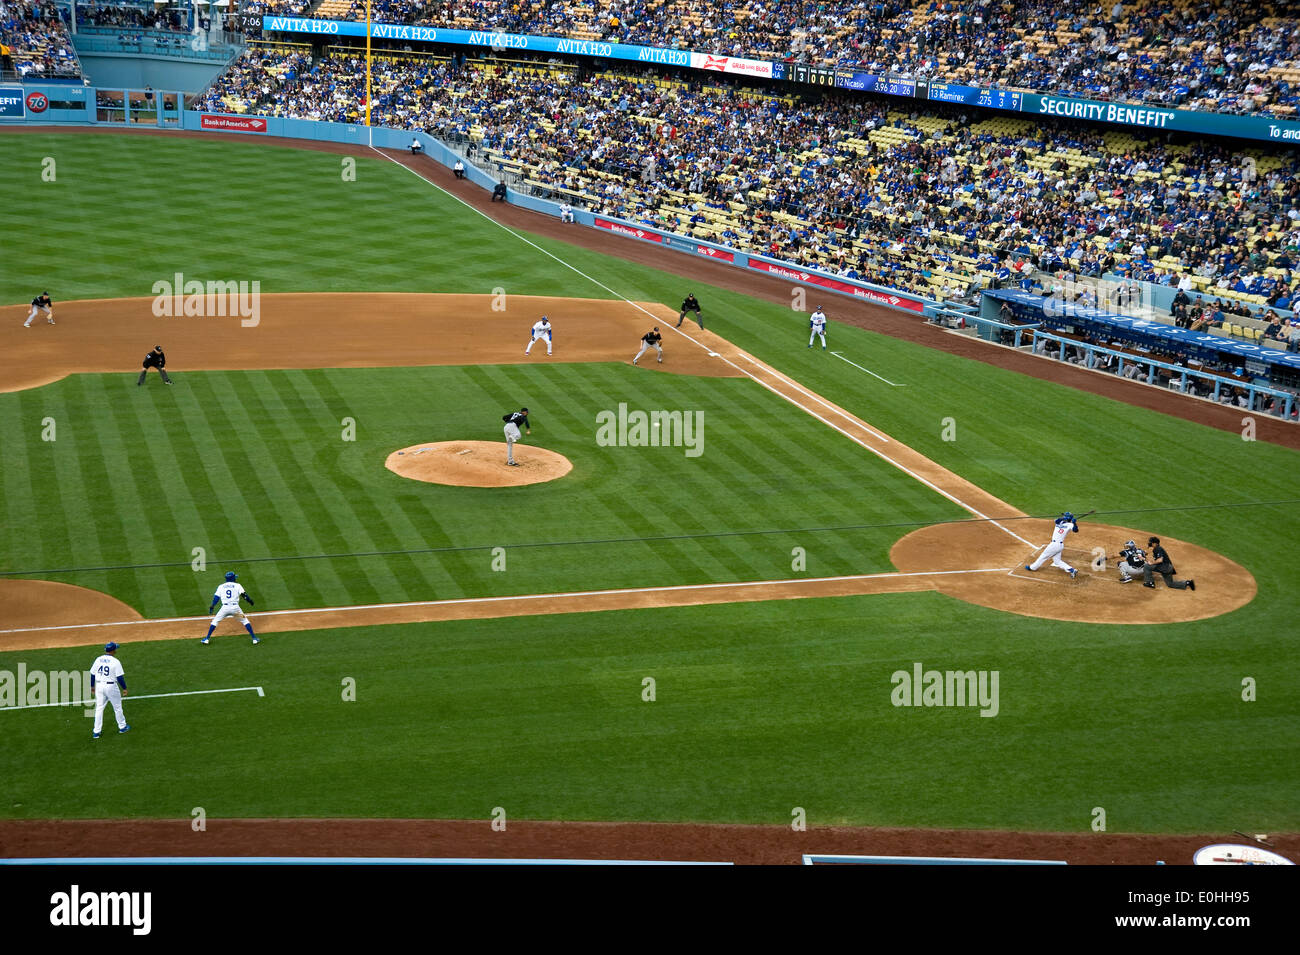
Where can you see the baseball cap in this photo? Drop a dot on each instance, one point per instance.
(110, 647)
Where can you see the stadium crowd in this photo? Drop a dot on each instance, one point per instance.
(935, 202)
(37, 39)
(1220, 55)
(131, 16)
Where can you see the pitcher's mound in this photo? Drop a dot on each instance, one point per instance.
(477, 464)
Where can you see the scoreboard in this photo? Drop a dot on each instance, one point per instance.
(812, 75)
(975, 96)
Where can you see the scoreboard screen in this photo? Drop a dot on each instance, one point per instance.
(813, 75)
(975, 96)
(870, 82)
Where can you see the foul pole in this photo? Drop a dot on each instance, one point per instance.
(367, 62)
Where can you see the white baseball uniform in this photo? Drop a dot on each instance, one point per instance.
(1053, 550)
(229, 593)
(541, 329)
(817, 321)
(104, 673)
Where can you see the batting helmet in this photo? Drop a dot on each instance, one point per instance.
(1068, 516)
(230, 575)
(110, 647)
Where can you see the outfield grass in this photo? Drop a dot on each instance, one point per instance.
(761, 707)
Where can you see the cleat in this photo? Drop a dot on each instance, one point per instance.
(256, 641)
(1152, 586)
(93, 735)
(207, 639)
(125, 728)
(1073, 573)
(1191, 585)
(1027, 567)
(1126, 580)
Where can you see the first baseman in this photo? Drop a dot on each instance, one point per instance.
(817, 322)
(228, 595)
(108, 682)
(1162, 565)
(541, 329)
(651, 339)
(690, 304)
(513, 420)
(40, 303)
(1064, 525)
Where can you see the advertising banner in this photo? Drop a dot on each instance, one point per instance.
(234, 124)
(1166, 120)
(795, 274)
(11, 102)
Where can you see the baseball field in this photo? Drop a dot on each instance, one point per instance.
(702, 623)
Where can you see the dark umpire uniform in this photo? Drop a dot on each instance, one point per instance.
(154, 359)
(690, 304)
(1162, 565)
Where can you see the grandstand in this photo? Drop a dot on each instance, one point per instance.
(1214, 55)
(35, 37)
(937, 204)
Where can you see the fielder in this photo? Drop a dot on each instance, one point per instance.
(817, 322)
(541, 329)
(40, 303)
(229, 594)
(651, 339)
(108, 682)
(513, 420)
(1132, 561)
(1064, 525)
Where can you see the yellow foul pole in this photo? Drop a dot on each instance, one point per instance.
(367, 62)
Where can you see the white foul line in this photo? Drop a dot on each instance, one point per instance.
(868, 371)
(144, 696)
(622, 298)
(488, 600)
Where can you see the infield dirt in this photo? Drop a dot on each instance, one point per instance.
(975, 561)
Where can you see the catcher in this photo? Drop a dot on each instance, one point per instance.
(1131, 561)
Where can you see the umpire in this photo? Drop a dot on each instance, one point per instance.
(690, 304)
(154, 359)
(1162, 565)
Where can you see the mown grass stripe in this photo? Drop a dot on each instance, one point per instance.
(254, 475)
